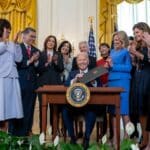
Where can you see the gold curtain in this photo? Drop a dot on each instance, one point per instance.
(20, 13)
(108, 18)
(128, 1)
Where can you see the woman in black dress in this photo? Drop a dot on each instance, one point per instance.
(140, 91)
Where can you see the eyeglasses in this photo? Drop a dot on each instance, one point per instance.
(33, 36)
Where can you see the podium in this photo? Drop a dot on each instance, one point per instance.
(56, 95)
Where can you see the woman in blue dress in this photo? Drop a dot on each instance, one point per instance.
(119, 75)
(10, 97)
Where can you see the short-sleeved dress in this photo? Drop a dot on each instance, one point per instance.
(10, 96)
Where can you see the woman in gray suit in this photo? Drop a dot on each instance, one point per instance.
(10, 97)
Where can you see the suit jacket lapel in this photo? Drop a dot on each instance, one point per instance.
(33, 50)
(45, 56)
(75, 73)
(24, 51)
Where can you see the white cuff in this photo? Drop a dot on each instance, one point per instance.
(28, 62)
(36, 63)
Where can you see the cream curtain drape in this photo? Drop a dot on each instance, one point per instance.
(108, 18)
(21, 14)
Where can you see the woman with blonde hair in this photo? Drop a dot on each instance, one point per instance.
(119, 76)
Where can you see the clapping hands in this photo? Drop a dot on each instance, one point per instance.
(17, 36)
(35, 57)
(146, 38)
(108, 63)
(49, 59)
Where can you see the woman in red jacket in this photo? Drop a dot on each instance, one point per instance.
(103, 61)
(104, 49)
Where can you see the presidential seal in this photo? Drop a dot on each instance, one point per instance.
(78, 95)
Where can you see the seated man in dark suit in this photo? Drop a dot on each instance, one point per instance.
(89, 111)
(84, 47)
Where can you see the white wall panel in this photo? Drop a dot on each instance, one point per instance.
(66, 17)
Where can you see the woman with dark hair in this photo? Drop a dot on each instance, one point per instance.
(137, 133)
(65, 49)
(50, 63)
(104, 50)
(53, 40)
(50, 66)
(10, 96)
(140, 100)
